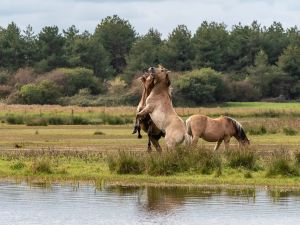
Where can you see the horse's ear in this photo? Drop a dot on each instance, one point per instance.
(142, 79)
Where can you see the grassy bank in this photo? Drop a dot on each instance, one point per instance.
(197, 167)
(235, 109)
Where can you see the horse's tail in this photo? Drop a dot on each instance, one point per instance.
(188, 127)
(240, 132)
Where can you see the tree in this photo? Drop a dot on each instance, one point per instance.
(210, 46)
(176, 53)
(71, 35)
(143, 54)
(274, 41)
(261, 75)
(11, 47)
(116, 36)
(30, 46)
(289, 63)
(51, 49)
(243, 46)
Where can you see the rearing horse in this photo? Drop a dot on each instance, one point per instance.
(145, 123)
(216, 130)
(160, 108)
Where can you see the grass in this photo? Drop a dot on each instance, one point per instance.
(95, 166)
(81, 144)
(289, 131)
(241, 158)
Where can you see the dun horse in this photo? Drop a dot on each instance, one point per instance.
(145, 123)
(216, 130)
(160, 108)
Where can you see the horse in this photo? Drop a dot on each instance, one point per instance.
(216, 130)
(159, 106)
(145, 123)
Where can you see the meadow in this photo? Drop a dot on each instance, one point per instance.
(99, 146)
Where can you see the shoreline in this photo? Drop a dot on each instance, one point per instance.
(283, 184)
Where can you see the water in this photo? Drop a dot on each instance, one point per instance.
(85, 204)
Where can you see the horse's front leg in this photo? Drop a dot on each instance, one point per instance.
(137, 127)
(226, 142)
(218, 145)
(148, 109)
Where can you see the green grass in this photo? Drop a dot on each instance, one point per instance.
(263, 105)
(83, 166)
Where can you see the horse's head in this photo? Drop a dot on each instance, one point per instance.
(147, 81)
(245, 142)
(160, 75)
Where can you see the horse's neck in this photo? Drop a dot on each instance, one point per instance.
(144, 97)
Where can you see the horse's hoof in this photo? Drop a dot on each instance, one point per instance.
(140, 136)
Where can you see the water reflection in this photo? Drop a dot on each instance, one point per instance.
(38, 203)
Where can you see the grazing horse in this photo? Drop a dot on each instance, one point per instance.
(216, 130)
(160, 108)
(145, 123)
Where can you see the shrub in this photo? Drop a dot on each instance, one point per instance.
(79, 78)
(289, 131)
(201, 86)
(241, 158)
(14, 119)
(5, 90)
(45, 92)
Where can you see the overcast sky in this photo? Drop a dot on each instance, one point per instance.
(163, 15)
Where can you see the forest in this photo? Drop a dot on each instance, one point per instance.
(215, 64)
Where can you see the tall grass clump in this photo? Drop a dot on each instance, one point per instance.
(114, 120)
(17, 165)
(42, 166)
(55, 120)
(36, 122)
(282, 164)
(167, 163)
(297, 157)
(241, 158)
(78, 120)
(14, 119)
(260, 130)
(289, 131)
(126, 163)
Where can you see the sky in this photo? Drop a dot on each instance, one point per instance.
(163, 15)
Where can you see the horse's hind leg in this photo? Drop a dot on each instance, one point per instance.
(149, 144)
(155, 143)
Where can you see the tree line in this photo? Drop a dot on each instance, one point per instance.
(216, 64)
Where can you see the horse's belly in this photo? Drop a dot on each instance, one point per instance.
(211, 137)
(159, 119)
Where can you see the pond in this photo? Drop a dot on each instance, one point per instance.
(65, 204)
